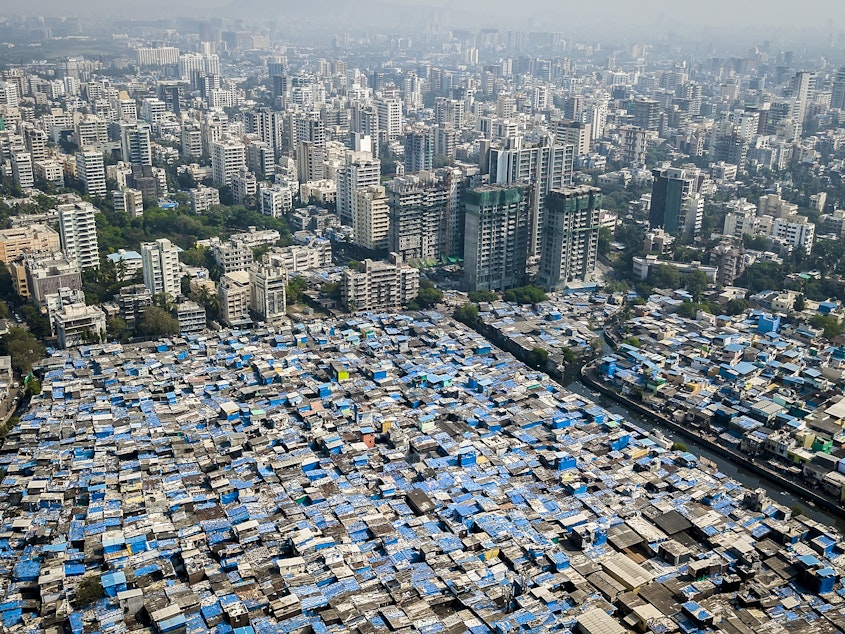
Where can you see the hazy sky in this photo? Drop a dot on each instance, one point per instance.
(562, 15)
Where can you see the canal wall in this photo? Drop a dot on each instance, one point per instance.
(591, 379)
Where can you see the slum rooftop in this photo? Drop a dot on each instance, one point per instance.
(378, 473)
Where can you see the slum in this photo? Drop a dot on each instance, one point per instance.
(377, 473)
(564, 322)
(751, 382)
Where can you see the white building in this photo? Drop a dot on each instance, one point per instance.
(202, 198)
(129, 200)
(380, 285)
(267, 287)
(796, 231)
(359, 170)
(371, 217)
(91, 171)
(77, 323)
(233, 293)
(78, 233)
(228, 157)
(160, 260)
(275, 200)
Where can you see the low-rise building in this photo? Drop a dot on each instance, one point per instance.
(77, 323)
(191, 317)
(380, 285)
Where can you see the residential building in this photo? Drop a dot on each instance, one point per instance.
(676, 203)
(49, 171)
(419, 151)
(275, 200)
(536, 168)
(77, 323)
(232, 255)
(227, 158)
(233, 293)
(129, 200)
(135, 143)
(794, 231)
(22, 170)
(161, 267)
(78, 233)
(360, 169)
(131, 302)
(36, 276)
(380, 285)
(419, 215)
(496, 237)
(371, 217)
(17, 241)
(91, 171)
(191, 317)
(203, 198)
(571, 236)
(268, 280)
(730, 260)
(127, 263)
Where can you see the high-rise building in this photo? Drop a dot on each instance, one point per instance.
(676, 203)
(360, 169)
(267, 285)
(538, 168)
(191, 141)
(645, 113)
(571, 236)
(161, 267)
(36, 142)
(22, 171)
(227, 158)
(371, 217)
(419, 151)
(837, 97)
(135, 144)
(803, 89)
(78, 233)
(267, 124)
(496, 237)
(380, 285)
(390, 117)
(419, 206)
(233, 293)
(91, 170)
(574, 133)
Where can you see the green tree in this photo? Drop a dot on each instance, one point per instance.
(89, 590)
(117, 329)
(525, 295)
(829, 324)
(736, 307)
(664, 276)
(295, 289)
(605, 238)
(468, 314)
(482, 296)
(23, 347)
(799, 303)
(332, 290)
(33, 387)
(37, 323)
(428, 297)
(679, 446)
(157, 322)
(632, 341)
(537, 358)
(695, 282)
